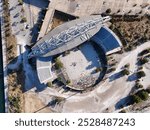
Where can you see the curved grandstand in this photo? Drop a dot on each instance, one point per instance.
(107, 40)
(68, 36)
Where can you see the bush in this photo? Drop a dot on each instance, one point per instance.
(108, 11)
(138, 85)
(23, 20)
(59, 78)
(20, 2)
(111, 70)
(98, 70)
(125, 72)
(128, 48)
(136, 99)
(58, 64)
(144, 52)
(143, 61)
(140, 74)
(68, 82)
(140, 68)
(148, 89)
(143, 94)
(49, 84)
(127, 65)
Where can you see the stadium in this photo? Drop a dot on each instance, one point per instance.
(79, 47)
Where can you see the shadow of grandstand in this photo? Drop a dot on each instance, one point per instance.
(90, 57)
(37, 3)
(115, 76)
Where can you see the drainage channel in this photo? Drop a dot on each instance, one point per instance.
(2, 96)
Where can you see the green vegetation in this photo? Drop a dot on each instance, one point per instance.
(125, 72)
(140, 74)
(127, 65)
(128, 48)
(20, 2)
(136, 99)
(140, 68)
(111, 70)
(98, 69)
(140, 96)
(59, 79)
(68, 81)
(108, 11)
(148, 89)
(49, 84)
(146, 51)
(58, 64)
(138, 85)
(143, 61)
(23, 20)
(143, 94)
(14, 103)
(57, 100)
(15, 80)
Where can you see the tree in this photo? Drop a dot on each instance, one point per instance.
(138, 85)
(127, 65)
(49, 84)
(98, 69)
(136, 99)
(108, 11)
(125, 72)
(140, 74)
(148, 89)
(58, 64)
(143, 60)
(20, 2)
(23, 20)
(143, 95)
(68, 82)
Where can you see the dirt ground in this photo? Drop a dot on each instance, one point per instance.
(33, 104)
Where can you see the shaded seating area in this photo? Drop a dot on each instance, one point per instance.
(107, 40)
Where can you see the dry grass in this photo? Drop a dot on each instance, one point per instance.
(134, 31)
(15, 95)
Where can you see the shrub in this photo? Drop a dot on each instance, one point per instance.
(111, 70)
(148, 89)
(108, 11)
(68, 82)
(138, 85)
(127, 65)
(144, 52)
(140, 68)
(58, 64)
(20, 2)
(143, 94)
(143, 61)
(125, 72)
(23, 20)
(98, 70)
(136, 99)
(59, 78)
(49, 84)
(140, 74)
